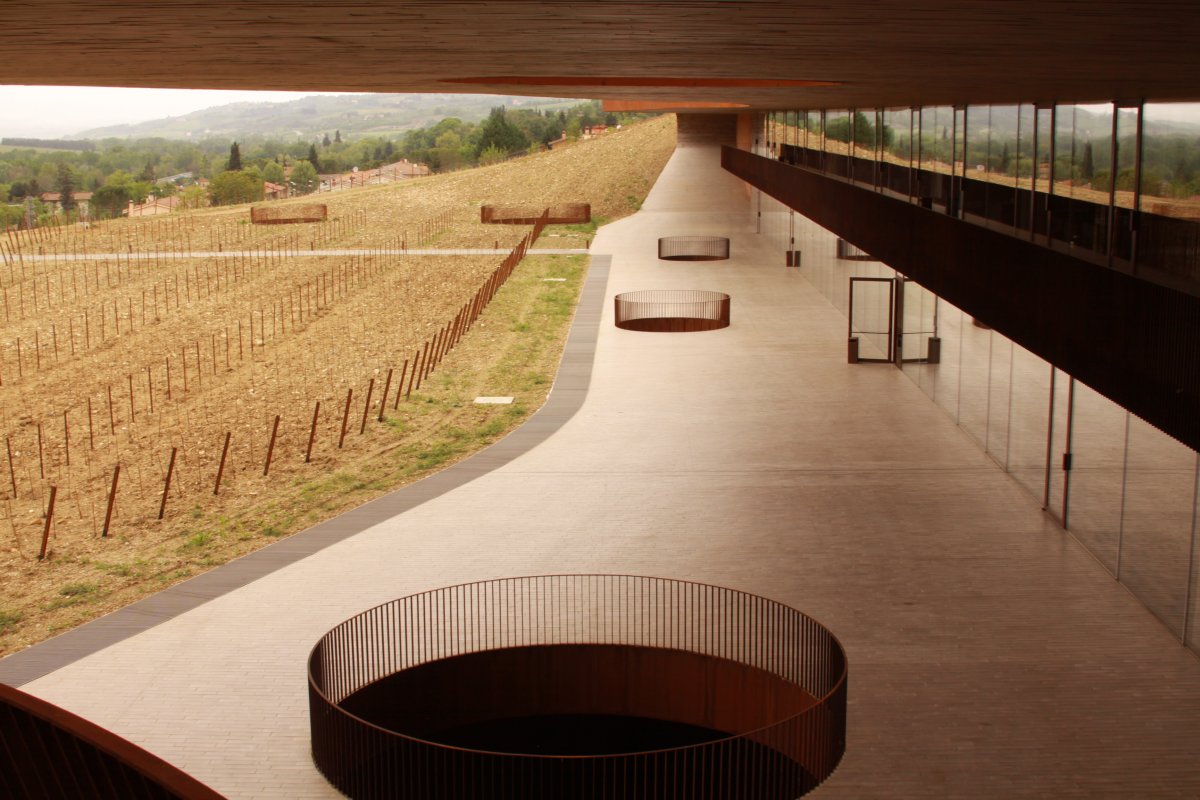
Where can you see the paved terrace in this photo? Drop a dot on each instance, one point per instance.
(990, 656)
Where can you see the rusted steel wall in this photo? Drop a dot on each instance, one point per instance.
(562, 214)
(284, 215)
(46, 751)
(390, 689)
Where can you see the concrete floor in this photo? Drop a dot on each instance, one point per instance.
(990, 655)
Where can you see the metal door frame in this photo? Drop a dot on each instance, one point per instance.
(890, 333)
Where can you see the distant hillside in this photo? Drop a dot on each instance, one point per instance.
(312, 117)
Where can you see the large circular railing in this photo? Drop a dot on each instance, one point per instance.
(693, 248)
(580, 686)
(671, 310)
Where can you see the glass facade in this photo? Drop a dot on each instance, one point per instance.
(1116, 184)
(1125, 490)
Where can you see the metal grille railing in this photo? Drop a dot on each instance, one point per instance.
(770, 643)
(672, 310)
(48, 752)
(693, 248)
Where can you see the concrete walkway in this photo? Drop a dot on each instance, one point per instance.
(990, 656)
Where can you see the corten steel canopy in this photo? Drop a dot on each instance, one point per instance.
(759, 52)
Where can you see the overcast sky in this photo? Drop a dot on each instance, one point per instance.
(52, 112)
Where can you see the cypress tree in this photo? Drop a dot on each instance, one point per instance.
(66, 187)
(313, 158)
(235, 158)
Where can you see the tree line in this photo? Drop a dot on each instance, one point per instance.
(120, 171)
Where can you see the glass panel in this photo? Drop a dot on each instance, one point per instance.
(897, 150)
(837, 142)
(978, 157)
(1122, 234)
(943, 383)
(1160, 486)
(974, 372)
(999, 390)
(936, 155)
(1058, 442)
(1024, 166)
(1169, 230)
(1029, 415)
(871, 318)
(1097, 469)
(1043, 129)
(1194, 612)
(918, 327)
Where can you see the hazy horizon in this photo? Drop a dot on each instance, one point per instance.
(57, 112)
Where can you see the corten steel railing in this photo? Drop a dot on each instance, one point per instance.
(48, 752)
(672, 310)
(767, 680)
(285, 215)
(563, 214)
(693, 248)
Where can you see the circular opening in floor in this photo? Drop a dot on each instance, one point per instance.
(671, 310)
(693, 248)
(582, 686)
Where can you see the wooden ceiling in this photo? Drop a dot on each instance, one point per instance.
(764, 54)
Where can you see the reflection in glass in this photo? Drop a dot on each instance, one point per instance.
(1156, 545)
(1029, 410)
(999, 393)
(1098, 435)
(1169, 229)
(974, 372)
(944, 380)
(897, 152)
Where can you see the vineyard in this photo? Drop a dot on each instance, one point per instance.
(175, 391)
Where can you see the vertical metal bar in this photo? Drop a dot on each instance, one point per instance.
(1049, 437)
(1191, 578)
(1066, 509)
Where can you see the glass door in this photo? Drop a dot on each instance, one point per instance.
(872, 320)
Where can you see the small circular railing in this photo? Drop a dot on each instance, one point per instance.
(672, 310)
(693, 248)
(580, 686)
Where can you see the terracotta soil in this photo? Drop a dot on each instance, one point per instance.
(255, 331)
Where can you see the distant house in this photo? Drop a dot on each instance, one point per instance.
(153, 207)
(400, 170)
(54, 199)
(404, 169)
(273, 191)
(179, 178)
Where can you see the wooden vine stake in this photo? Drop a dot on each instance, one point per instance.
(345, 417)
(271, 446)
(112, 497)
(383, 400)
(221, 466)
(49, 522)
(366, 407)
(312, 434)
(162, 507)
(12, 472)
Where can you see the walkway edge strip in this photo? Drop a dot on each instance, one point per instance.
(566, 397)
